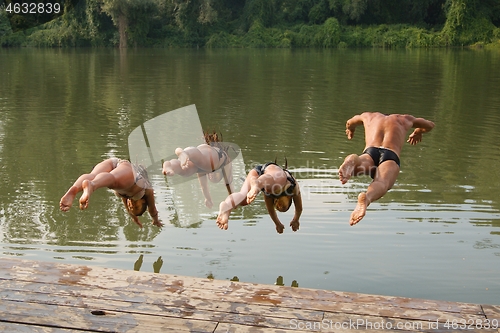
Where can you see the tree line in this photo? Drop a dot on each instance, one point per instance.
(252, 23)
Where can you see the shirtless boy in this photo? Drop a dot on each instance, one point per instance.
(280, 190)
(384, 139)
(130, 183)
(209, 160)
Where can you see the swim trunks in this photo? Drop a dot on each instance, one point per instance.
(379, 155)
(141, 179)
(222, 155)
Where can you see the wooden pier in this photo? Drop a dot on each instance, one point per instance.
(56, 297)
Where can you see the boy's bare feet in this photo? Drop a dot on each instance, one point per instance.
(88, 188)
(183, 157)
(347, 168)
(167, 169)
(223, 217)
(360, 210)
(67, 199)
(252, 194)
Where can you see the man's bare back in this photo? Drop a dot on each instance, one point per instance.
(384, 140)
(388, 131)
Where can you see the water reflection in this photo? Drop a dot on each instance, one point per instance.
(157, 265)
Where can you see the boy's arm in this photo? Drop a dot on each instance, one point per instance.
(272, 213)
(297, 202)
(203, 179)
(153, 212)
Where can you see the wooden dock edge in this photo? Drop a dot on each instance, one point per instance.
(56, 297)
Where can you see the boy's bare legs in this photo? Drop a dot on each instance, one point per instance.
(203, 179)
(224, 212)
(172, 167)
(385, 177)
(183, 157)
(67, 199)
(199, 156)
(104, 179)
(122, 177)
(232, 201)
(257, 184)
(226, 207)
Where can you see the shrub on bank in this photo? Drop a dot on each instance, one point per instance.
(330, 34)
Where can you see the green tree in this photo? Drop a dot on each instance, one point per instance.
(295, 11)
(130, 17)
(5, 27)
(348, 9)
(260, 10)
(466, 23)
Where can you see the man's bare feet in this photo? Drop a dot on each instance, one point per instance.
(183, 157)
(252, 194)
(346, 170)
(360, 210)
(67, 199)
(223, 217)
(167, 169)
(88, 188)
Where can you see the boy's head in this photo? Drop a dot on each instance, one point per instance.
(283, 203)
(137, 207)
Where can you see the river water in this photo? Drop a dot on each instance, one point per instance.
(435, 235)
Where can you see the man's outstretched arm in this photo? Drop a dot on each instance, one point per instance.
(351, 125)
(421, 126)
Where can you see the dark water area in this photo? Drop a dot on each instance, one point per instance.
(435, 235)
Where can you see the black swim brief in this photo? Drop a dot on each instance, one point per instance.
(380, 155)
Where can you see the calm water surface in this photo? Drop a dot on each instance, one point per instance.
(435, 235)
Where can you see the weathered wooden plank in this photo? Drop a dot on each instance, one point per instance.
(47, 294)
(331, 320)
(492, 312)
(15, 308)
(171, 304)
(22, 328)
(288, 308)
(72, 317)
(146, 282)
(250, 293)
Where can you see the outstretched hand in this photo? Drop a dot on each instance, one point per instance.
(295, 224)
(415, 137)
(349, 133)
(136, 220)
(157, 223)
